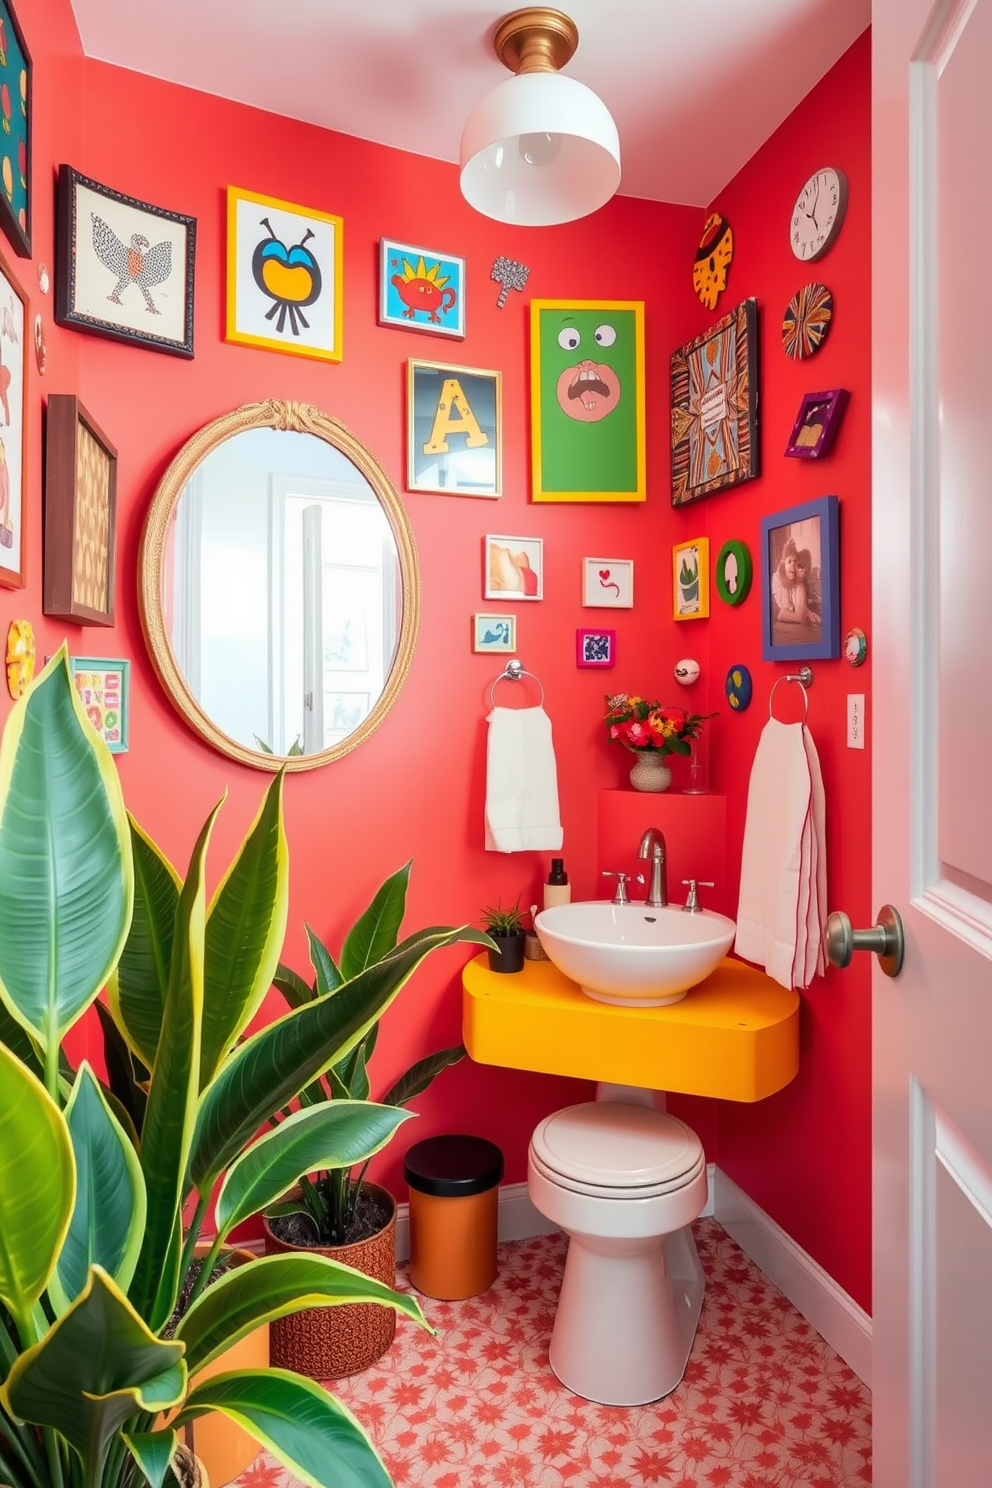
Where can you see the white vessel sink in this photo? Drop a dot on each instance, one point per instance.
(630, 955)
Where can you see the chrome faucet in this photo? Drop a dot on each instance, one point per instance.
(653, 847)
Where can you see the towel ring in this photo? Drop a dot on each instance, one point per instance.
(512, 672)
(804, 677)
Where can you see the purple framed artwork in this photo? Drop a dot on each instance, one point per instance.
(817, 423)
(595, 648)
(800, 582)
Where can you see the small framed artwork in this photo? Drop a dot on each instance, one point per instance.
(596, 648)
(104, 689)
(817, 423)
(284, 276)
(494, 632)
(16, 88)
(607, 583)
(123, 268)
(514, 567)
(421, 289)
(733, 572)
(691, 579)
(800, 582)
(715, 407)
(454, 429)
(80, 511)
(13, 376)
(587, 400)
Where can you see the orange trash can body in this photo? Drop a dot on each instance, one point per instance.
(454, 1213)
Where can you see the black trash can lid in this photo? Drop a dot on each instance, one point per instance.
(453, 1167)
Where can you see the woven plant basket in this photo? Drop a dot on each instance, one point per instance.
(331, 1342)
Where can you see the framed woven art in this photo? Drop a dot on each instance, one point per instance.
(80, 502)
(715, 407)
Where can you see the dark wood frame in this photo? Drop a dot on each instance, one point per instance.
(20, 237)
(65, 267)
(65, 417)
(740, 391)
(11, 578)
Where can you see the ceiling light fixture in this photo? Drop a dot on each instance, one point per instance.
(540, 147)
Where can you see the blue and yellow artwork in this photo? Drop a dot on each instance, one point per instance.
(421, 289)
(15, 133)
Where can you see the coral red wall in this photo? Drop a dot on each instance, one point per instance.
(415, 788)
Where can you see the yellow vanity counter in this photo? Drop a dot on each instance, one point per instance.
(735, 1036)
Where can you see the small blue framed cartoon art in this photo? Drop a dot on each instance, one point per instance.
(800, 582)
(596, 648)
(421, 289)
(494, 632)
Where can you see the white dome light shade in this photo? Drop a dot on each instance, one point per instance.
(540, 148)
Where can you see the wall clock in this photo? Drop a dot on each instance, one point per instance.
(818, 214)
(713, 257)
(807, 320)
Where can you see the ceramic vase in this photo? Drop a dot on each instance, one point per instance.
(650, 772)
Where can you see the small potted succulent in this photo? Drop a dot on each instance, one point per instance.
(505, 926)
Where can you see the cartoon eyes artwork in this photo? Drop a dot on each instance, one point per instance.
(590, 389)
(569, 339)
(290, 277)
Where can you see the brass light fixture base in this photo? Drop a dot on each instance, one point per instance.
(536, 39)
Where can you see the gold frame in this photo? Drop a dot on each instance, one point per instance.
(300, 418)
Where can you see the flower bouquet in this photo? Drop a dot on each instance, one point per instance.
(642, 724)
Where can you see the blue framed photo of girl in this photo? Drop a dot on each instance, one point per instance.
(800, 582)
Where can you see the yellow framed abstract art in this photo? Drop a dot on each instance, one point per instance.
(284, 276)
(691, 579)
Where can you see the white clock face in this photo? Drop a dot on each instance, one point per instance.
(818, 214)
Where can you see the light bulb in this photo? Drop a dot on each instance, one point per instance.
(540, 149)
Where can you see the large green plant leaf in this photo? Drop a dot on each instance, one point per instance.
(140, 984)
(334, 1135)
(108, 1220)
(171, 1111)
(269, 1069)
(126, 1075)
(66, 880)
(421, 1074)
(37, 1186)
(246, 926)
(269, 1288)
(97, 1367)
(292, 986)
(153, 1452)
(375, 933)
(312, 1434)
(327, 974)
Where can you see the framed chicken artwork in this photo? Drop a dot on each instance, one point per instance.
(123, 268)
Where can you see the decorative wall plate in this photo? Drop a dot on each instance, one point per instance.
(20, 656)
(738, 688)
(713, 259)
(807, 320)
(855, 646)
(733, 572)
(687, 671)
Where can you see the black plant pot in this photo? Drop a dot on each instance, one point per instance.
(512, 949)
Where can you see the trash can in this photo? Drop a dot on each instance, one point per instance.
(454, 1202)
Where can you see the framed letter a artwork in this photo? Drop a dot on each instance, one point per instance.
(715, 407)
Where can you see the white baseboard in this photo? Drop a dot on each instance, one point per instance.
(814, 1293)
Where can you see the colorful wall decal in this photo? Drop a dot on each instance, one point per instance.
(587, 400)
(715, 407)
(284, 276)
(16, 90)
(739, 688)
(20, 656)
(104, 690)
(494, 632)
(856, 646)
(733, 572)
(454, 417)
(691, 579)
(713, 259)
(607, 583)
(596, 648)
(807, 320)
(13, 379)
(817, 423)
(421, 289)
(509, 274)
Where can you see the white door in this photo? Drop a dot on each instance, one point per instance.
(932, 718)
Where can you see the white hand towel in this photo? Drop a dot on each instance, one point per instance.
(815, 959)
(778, 803)
(521, 782)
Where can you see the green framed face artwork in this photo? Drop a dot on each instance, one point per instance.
(587, 400)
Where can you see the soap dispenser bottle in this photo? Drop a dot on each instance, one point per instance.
(557, 890)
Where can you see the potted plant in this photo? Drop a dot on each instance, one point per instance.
(505, 926)
(336, 1211)
(95, 1254)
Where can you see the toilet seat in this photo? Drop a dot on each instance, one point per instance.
(610, 1150)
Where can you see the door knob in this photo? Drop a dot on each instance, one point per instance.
(885, 940)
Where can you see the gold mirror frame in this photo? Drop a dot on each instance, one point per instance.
(299, 418)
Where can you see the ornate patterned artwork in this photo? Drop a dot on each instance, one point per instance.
(91, 555)
(715, 407)
(807, 321)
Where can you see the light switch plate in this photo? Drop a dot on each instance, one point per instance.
(855, 720)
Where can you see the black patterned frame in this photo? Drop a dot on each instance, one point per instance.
(714, 435)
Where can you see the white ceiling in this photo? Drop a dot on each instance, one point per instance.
(695, 86)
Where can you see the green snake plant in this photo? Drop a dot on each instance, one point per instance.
(97, 1174)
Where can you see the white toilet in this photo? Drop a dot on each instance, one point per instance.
(624, 1181)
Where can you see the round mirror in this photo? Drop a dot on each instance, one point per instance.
(278, 586)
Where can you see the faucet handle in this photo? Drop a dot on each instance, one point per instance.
(621, 896)
(692, 904)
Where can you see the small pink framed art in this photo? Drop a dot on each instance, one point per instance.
(596, 648)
